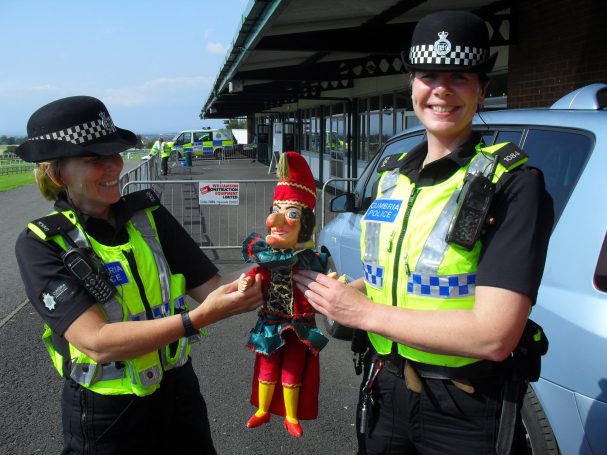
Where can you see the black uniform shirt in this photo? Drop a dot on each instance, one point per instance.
(514, 245)
(42, 269)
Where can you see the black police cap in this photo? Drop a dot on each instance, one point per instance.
(72, 127)
(450, 41)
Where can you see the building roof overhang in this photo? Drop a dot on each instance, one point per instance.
(290, 50)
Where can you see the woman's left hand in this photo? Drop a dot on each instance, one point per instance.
(332, 297)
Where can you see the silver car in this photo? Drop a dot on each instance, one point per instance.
(566, 410)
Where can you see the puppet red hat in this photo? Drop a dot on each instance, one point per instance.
(296, 182)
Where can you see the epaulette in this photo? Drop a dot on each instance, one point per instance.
(140, 200)
(390, 162)
(51, 225)
(511, 156)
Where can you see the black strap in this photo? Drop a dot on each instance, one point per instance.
(54, 224)
(510, 407)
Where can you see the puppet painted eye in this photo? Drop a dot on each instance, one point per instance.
(293, 214)
(275, 209)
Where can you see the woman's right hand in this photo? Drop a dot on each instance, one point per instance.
(226, 301)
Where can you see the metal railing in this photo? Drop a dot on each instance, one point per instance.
(214, 227)
(15, 167)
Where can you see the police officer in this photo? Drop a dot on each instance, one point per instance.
(453, 250)
(109, 276)
(157, 147)
(165, 154)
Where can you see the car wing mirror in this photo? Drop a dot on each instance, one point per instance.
(342, 203)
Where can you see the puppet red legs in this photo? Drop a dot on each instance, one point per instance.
(288, 362)
(285, 339)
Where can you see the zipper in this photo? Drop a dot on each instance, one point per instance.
(83, 415)
(399, 245)
(130, 258)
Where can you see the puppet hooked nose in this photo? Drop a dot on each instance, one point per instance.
(275, 219)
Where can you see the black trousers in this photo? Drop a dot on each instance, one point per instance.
(164, 162)
(440, 420)
(171, 420)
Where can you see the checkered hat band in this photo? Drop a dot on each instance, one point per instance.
(78, 134)
(462, 56)
(442, 286)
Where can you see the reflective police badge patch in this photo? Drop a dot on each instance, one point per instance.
(118, 276)
(57, 291)
(384, 210)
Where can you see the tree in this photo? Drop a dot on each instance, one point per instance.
(236, 123)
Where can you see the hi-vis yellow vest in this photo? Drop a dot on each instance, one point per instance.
(166, 150)
(146, 289)
(407, 261)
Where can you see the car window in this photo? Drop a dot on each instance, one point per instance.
(508, 136)
(367, 193)
(561, 156)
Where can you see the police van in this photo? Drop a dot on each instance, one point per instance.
(206, 143)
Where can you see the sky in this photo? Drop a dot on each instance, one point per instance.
(153, 63)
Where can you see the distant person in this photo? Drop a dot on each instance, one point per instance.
(108, 275)
(157, 147)
(165, 154)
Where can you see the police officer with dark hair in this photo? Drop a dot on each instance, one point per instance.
(109, 276)
(453, 250)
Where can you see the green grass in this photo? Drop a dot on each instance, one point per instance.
(9, 182)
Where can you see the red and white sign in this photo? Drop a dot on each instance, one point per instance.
(210, 193)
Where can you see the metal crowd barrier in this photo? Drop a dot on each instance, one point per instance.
(214, 227)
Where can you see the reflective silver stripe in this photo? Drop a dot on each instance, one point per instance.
(87, 374)
(150, 376)
(436, 244)
(181, 357)
(112, 308)
(142, 223)
(442, 286)
(79, 238)
(83, 373)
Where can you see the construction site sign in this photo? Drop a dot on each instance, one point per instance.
(212, 193)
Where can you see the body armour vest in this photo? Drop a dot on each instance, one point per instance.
(146, 289)
(407, 260)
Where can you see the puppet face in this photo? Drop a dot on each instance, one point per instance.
(284, 223)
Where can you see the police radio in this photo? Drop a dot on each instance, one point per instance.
(471, 211)
(89, 271)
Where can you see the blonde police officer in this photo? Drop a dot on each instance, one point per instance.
(108, 275)
(447, 294)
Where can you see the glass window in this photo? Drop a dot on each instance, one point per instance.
(363, 125)
(561, 155)
(387, 123)
(508, 136)
(374, 133)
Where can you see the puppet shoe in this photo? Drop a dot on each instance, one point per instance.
(294, 429)
(256, 421)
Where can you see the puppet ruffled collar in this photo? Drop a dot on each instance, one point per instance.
(255, 249)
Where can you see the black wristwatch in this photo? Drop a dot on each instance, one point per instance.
(188, 328)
